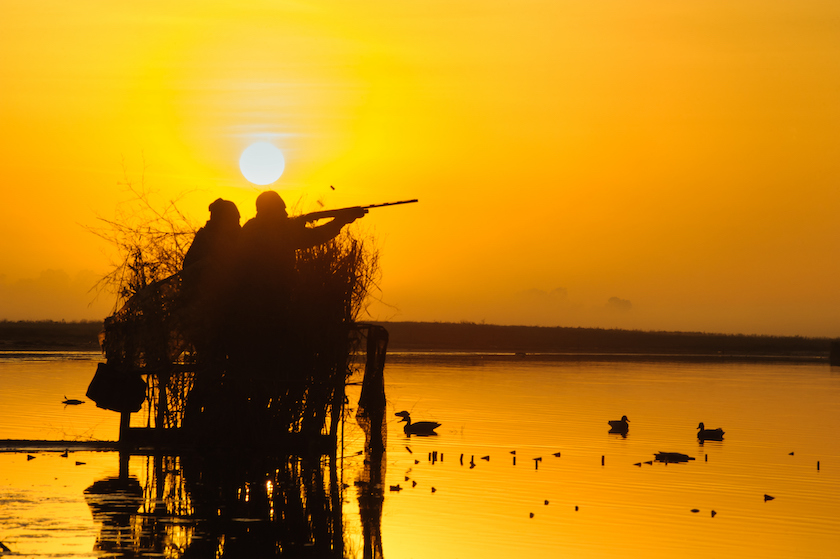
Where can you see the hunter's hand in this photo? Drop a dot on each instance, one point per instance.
(352, 214)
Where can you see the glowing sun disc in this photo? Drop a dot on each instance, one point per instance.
(262, 163)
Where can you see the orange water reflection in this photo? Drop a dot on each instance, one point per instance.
(491, 408)
(618, 509)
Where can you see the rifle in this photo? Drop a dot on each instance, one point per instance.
(314, 216)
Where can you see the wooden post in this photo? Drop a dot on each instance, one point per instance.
(125, 422)
(162, 406)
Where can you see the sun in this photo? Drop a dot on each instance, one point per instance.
(262, 163)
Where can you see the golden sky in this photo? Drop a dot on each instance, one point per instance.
(652, 164)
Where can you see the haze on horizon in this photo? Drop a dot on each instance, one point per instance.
(644, 165)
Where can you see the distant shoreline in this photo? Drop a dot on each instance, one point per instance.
(48, 335)
(503, 342)
(559, 343)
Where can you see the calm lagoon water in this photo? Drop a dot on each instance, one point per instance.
(464, 493)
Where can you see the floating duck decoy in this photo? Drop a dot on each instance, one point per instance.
(72, 401)
(422, 428)
(620, 425)
(709, 434)
(672, 457)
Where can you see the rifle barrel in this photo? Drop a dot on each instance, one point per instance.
(391, 204)
(333, 213)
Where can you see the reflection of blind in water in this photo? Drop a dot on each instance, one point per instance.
(371, 410)
(371, 417)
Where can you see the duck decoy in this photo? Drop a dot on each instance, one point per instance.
(672, 457)
(709, 434)
(422, 428)
(620, 425)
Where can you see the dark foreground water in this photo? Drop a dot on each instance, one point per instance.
(488, 485)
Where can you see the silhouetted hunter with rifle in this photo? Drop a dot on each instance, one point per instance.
(268, 242)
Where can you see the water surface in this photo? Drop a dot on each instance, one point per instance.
(780, 419)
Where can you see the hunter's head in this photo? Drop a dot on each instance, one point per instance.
(224, 212)
(270, 205)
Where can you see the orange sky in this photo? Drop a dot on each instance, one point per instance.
(650, 164)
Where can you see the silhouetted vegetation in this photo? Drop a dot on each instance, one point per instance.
(50, 335)
(252, 339)
(488, 338)
(150, 239)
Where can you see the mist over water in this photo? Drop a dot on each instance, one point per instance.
(463, 492)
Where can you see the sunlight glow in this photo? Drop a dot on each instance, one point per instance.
(262, 163)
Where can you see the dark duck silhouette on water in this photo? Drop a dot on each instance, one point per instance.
(709, 434)
(72, 401)
(620, 425)
(419, 428)
(672, 457)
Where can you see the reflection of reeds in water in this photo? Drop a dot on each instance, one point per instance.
(202, 505)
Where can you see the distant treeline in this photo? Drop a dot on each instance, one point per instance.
(50, 335)
(471, 337)
(448, 336)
